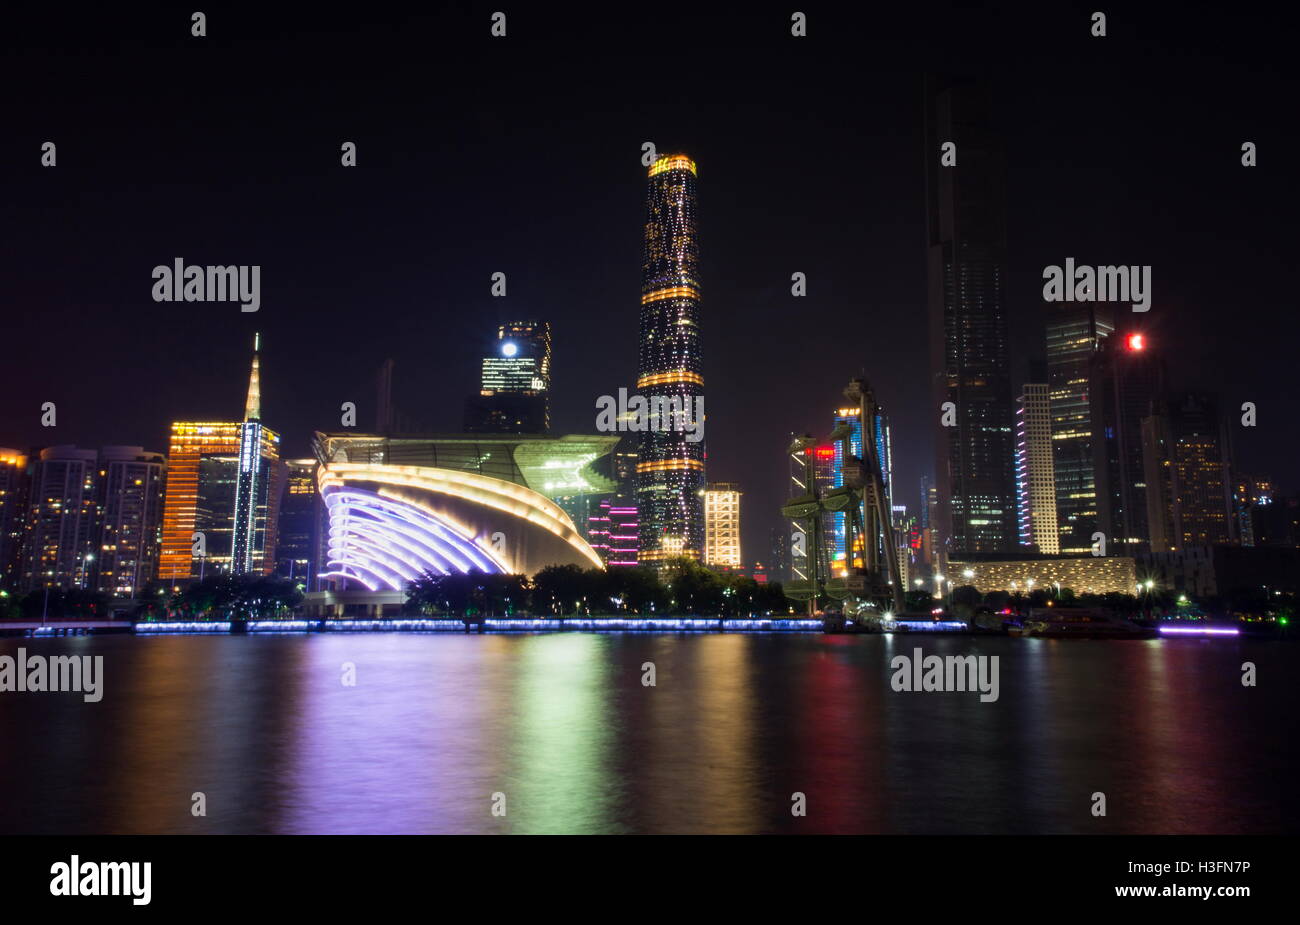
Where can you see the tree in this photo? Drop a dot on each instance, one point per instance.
(560, 589)
(694, 589)
(637, 590)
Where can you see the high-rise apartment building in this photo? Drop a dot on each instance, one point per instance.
(722, 525)
(966, 268)
(1035, 471)
(670, 465)
(62, 520)
(515, 385)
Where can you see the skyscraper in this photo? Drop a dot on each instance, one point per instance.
(258, 486)
(1035, 473)
(1127, 378)
(1188, 474)
(202, 468)
(722, 525)
(131, 501)
(966, 218)
(1075, 332)
(515, 386)
(670, 470)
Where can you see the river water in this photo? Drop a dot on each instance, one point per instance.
(558, 733)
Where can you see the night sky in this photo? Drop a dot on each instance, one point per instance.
(522, 155)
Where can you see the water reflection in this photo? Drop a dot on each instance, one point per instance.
(562, 727)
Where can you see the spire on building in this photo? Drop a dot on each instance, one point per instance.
(253, 407)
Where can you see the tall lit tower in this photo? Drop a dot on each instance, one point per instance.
(257, 489)
(670, 470)
(969, 354)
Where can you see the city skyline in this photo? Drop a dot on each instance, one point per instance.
(397, 297)
(357, 477)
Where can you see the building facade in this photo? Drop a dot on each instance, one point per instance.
(1082, 574)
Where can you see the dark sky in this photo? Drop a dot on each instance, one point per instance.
(523, 155)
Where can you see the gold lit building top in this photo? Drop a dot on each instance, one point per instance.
(667, 162)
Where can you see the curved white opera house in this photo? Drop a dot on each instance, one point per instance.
(399, 508)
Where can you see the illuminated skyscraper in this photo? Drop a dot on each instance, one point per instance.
(202, 465)
(205, 462)
(722, 525)
(670, 470)
(1035, 475)
(966, 212)
(258, 486)
(131, 492)
(1075, 332)
(514, 392)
